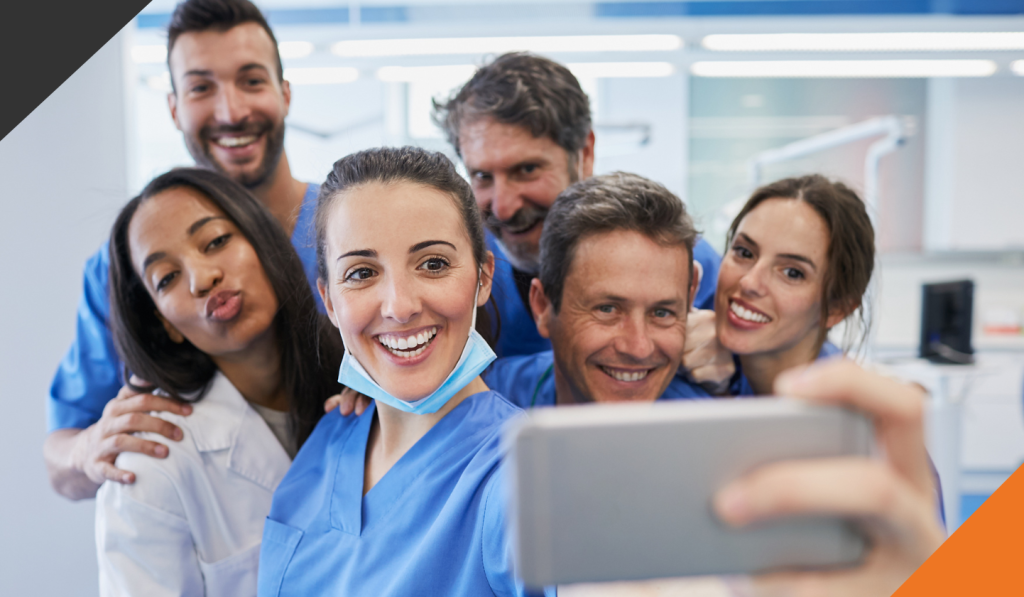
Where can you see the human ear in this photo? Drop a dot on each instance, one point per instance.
(172, 332)
(698, 274)
(838, 312)
(172, 105)
(586, 165)
(286, 91)
(325, 296)
(486, 279)
(543, 311)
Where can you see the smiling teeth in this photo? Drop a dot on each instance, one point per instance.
(407, 346)
(626, 375)
(235, 141)
(747, 314)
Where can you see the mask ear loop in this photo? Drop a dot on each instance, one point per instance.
(476, 297)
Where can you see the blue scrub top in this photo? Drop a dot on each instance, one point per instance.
(740, 386)
(528, 381)
(519, 334)
(433, 525)
(90, 374)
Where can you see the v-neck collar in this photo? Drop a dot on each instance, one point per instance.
(353, 513)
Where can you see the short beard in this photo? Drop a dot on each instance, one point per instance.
(527, 260)
(199, 148)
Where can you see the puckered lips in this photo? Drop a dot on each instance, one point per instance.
(224, 305)
(408, 347)
(744, 316)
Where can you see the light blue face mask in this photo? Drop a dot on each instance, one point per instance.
(476, 356)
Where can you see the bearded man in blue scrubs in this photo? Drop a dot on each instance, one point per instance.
(522, 127)
(229, 99)
(615, 287)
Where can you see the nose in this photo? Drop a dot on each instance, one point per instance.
(231, 107)
(399, 300)
(204, 278)
(634, 340)
(753, 282)
(506, 199)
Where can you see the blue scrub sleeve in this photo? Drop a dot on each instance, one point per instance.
(497, 544)
(711, 261)
(90, 374)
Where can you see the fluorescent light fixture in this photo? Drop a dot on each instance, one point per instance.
(294, 49)
(500, 45)
(161, 82)
(414, 74)
(610, 70)
(845, 68)
(463, 72)
(321, 75)
(1017, 66)
(865, 42)
(149, 54)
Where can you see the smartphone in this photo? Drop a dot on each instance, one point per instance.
(607, 492)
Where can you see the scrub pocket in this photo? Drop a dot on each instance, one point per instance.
(279, 543)
(234, 575)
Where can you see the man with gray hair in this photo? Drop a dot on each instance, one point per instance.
(522, 127)
(616, 283)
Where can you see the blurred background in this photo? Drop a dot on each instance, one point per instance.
(696, 98)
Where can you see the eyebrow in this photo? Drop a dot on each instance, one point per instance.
(153, 257)
(208, 73)
(793, 256)
(429, 243)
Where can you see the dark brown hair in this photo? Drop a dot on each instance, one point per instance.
(387, 165)
(219, 15)
(310, 351)
(616, 201)
(523, 90)
(851, 247)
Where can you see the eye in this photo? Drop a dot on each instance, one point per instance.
(163, 282)
(435, 264)
(528, 168)
(793, 273)
(482, 178)
(662, 313)
(200, 88)
(606, 309)
(742, 252)
(218, 242)
(359, 274)
(254, 82)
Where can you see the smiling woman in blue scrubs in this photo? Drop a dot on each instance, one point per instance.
(798, 260)
(405, 499)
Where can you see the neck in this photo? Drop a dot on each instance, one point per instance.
(761, 369)
(256, 373)
(395, 431)
(564, 393)
(282, 195)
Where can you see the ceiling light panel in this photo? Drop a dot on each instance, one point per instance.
(1017, 66)
(845, 68)
(321, 75)
(294, 49)
(500, 45)
(865, 42)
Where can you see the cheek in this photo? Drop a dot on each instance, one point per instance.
(799, 304)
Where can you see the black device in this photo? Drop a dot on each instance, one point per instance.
(946, 316)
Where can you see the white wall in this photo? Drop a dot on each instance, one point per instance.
(975, 181)
(64, 173)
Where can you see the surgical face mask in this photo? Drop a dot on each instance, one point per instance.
(476, 356)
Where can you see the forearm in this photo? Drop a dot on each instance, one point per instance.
(66, 478)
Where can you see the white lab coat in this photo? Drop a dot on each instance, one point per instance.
(192, 523)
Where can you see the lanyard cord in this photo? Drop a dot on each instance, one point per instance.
(540, 382)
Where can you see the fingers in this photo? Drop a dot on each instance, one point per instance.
(345, 402)
(137, 402)
(116, 444)
(109, 472)
(362, 402)
(852, 487)
(139, 421)
(896, 408)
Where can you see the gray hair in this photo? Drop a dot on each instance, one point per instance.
(524, 90)
(616, 201)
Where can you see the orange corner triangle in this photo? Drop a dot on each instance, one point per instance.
(985, 556)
